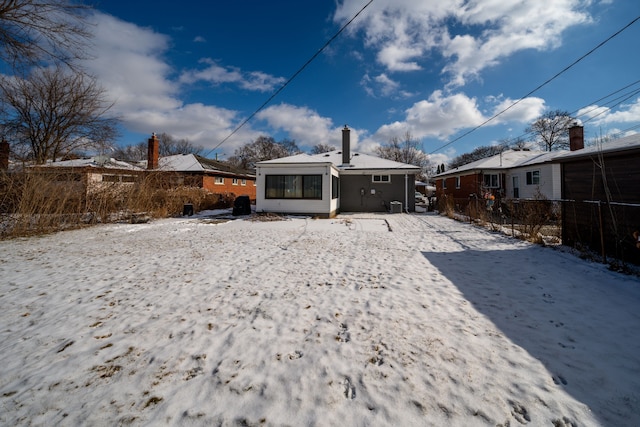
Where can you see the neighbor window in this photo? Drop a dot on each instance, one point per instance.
(381, 178)
(234, 181)
(243, 182)
(533, 178)
(219, 180)
(444, 183)
(457, 182)
(293, 187)
(491, 180)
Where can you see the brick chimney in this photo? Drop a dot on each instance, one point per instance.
(4, 155)
(153, 152)
(346, 145)
(576, 137)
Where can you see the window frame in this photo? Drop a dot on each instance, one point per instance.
(218, 180)
(382, 179)
(533, 177)
(293, 187)
(491, 177)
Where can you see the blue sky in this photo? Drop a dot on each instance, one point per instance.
(433, 69)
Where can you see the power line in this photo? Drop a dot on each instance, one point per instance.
(538, 87)
(620, 99)
(315, 55)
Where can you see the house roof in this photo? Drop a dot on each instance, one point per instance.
(195, 163)
(631, 142)
(358, 162)
(510, 159)
(506, 160)
(93, 162)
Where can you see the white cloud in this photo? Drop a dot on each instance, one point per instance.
(217, 74)
(383, 85)
(199, 39)
(147, 95)
(303, 125)
(439, 117)
(600, 115)
(525, 111)
(470, 35)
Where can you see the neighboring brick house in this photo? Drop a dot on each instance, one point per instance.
(190, 169)
(481, 179)
(512, 174)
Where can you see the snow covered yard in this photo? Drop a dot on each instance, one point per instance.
(359, 320)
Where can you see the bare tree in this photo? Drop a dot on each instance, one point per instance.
(263, 148)
(477, 154)
(131, 153)
(322, 148)
(551, 130)
(32, 31)
(170, 146)
(408, 150)
(55, 112)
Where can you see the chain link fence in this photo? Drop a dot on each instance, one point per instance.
(607, 232)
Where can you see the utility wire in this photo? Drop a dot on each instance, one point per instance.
(315, 55)
(620, 100)
(537, 88)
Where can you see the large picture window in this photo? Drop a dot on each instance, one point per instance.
(294, 187)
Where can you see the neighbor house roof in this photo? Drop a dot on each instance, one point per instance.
(506, 160)
(195, 163)
(631, 142)
(93, 162)
(358, 162)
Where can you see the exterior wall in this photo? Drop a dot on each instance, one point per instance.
(325, 207)
(358, 193)
(550, 182)
(469, 184)
(249, 189)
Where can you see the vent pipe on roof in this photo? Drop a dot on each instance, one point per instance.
(346, 145)
(153, 152)
(576, 137)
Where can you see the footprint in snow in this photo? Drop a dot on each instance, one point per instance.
(349, 389)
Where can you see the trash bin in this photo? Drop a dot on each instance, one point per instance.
(396, 207)
(242, 206)
(187, 209)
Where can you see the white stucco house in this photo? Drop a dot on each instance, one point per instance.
(338, 181)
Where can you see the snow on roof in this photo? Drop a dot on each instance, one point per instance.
(631, 142)
(194, 163)
(359, 161)
(505, 160)
(180, 163)
(512, 159)
(95, 162)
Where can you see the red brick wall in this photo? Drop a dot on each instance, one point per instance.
(228, 187)
(469, 184)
